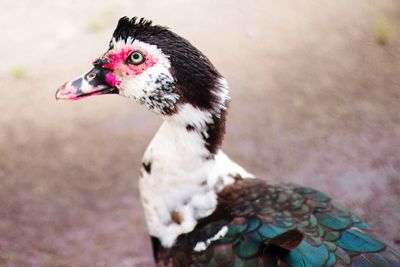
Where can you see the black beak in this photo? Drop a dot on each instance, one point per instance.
(95, 82)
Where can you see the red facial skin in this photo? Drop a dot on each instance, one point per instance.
(112, 80)
(116, 62)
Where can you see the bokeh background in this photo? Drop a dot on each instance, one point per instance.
(315, 91)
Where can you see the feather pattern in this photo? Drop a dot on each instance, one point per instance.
(279, 225)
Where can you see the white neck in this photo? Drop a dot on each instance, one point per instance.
(182, 179)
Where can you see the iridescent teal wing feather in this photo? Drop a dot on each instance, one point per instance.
(281, 225)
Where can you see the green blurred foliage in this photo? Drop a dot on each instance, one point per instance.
(384, 28)
(18, 72)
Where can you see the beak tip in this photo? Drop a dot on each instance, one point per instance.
(59, 93)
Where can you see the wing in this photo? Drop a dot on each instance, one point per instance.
(281, 225)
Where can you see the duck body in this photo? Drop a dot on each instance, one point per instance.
(201, 208)
(258, 224)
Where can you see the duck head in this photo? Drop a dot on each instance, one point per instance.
(155, 67)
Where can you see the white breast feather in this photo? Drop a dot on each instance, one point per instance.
(181, 180)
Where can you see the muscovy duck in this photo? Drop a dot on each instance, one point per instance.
(201, 208)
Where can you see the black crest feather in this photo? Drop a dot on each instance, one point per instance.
(135, 28)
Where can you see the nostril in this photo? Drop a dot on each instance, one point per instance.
(91, 76)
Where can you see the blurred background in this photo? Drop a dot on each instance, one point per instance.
(315, 91)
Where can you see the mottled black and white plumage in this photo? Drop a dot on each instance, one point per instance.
(201, 208)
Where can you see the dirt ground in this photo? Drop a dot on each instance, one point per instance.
(315, 100)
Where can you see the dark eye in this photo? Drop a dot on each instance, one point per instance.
(136, 58)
